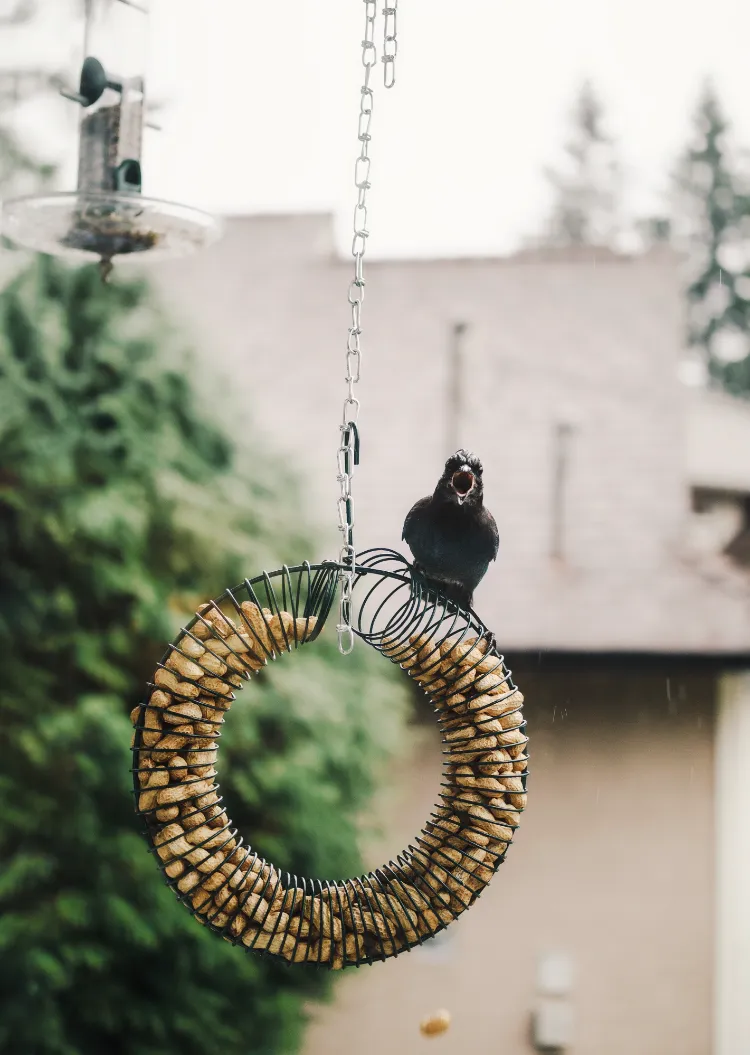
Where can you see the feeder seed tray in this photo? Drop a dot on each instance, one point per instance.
(105, 225)
(223, 881)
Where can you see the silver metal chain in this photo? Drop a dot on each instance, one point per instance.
(348, 452)
(390, 44)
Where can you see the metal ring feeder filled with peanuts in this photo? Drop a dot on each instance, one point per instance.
(223, 881)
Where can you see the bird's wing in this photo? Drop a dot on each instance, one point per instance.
(493, 534)
(411, 518)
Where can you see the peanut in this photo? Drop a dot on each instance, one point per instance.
(257, 623)
(281, 631)
(435, 1024)
(183, 666)
(167, 679)
(181, 711)
(191, 648)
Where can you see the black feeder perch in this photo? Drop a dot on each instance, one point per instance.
(107, 216)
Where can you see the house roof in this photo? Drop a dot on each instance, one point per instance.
(584, 339)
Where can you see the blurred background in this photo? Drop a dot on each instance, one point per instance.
(558, 277)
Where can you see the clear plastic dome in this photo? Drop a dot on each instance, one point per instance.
(87, 224)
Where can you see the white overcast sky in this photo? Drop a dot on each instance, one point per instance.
(262, 100)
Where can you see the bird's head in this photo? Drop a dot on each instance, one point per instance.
(461, 481)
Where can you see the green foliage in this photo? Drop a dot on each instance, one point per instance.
(121, 507)
(712, 219)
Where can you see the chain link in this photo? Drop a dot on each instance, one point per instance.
(390, 44)
(348, 452)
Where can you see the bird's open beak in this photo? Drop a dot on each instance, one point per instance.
(462, 483)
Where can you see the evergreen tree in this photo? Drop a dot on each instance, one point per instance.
(712, 223)
(587, 188)
(121, 507)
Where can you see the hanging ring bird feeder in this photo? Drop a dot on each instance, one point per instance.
(107, 216)
(225, 883)
(443, 647)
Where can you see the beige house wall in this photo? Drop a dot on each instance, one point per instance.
(612, 865)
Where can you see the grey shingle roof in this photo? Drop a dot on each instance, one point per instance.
(583, 337)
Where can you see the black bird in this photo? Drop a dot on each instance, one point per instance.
(451, 535)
